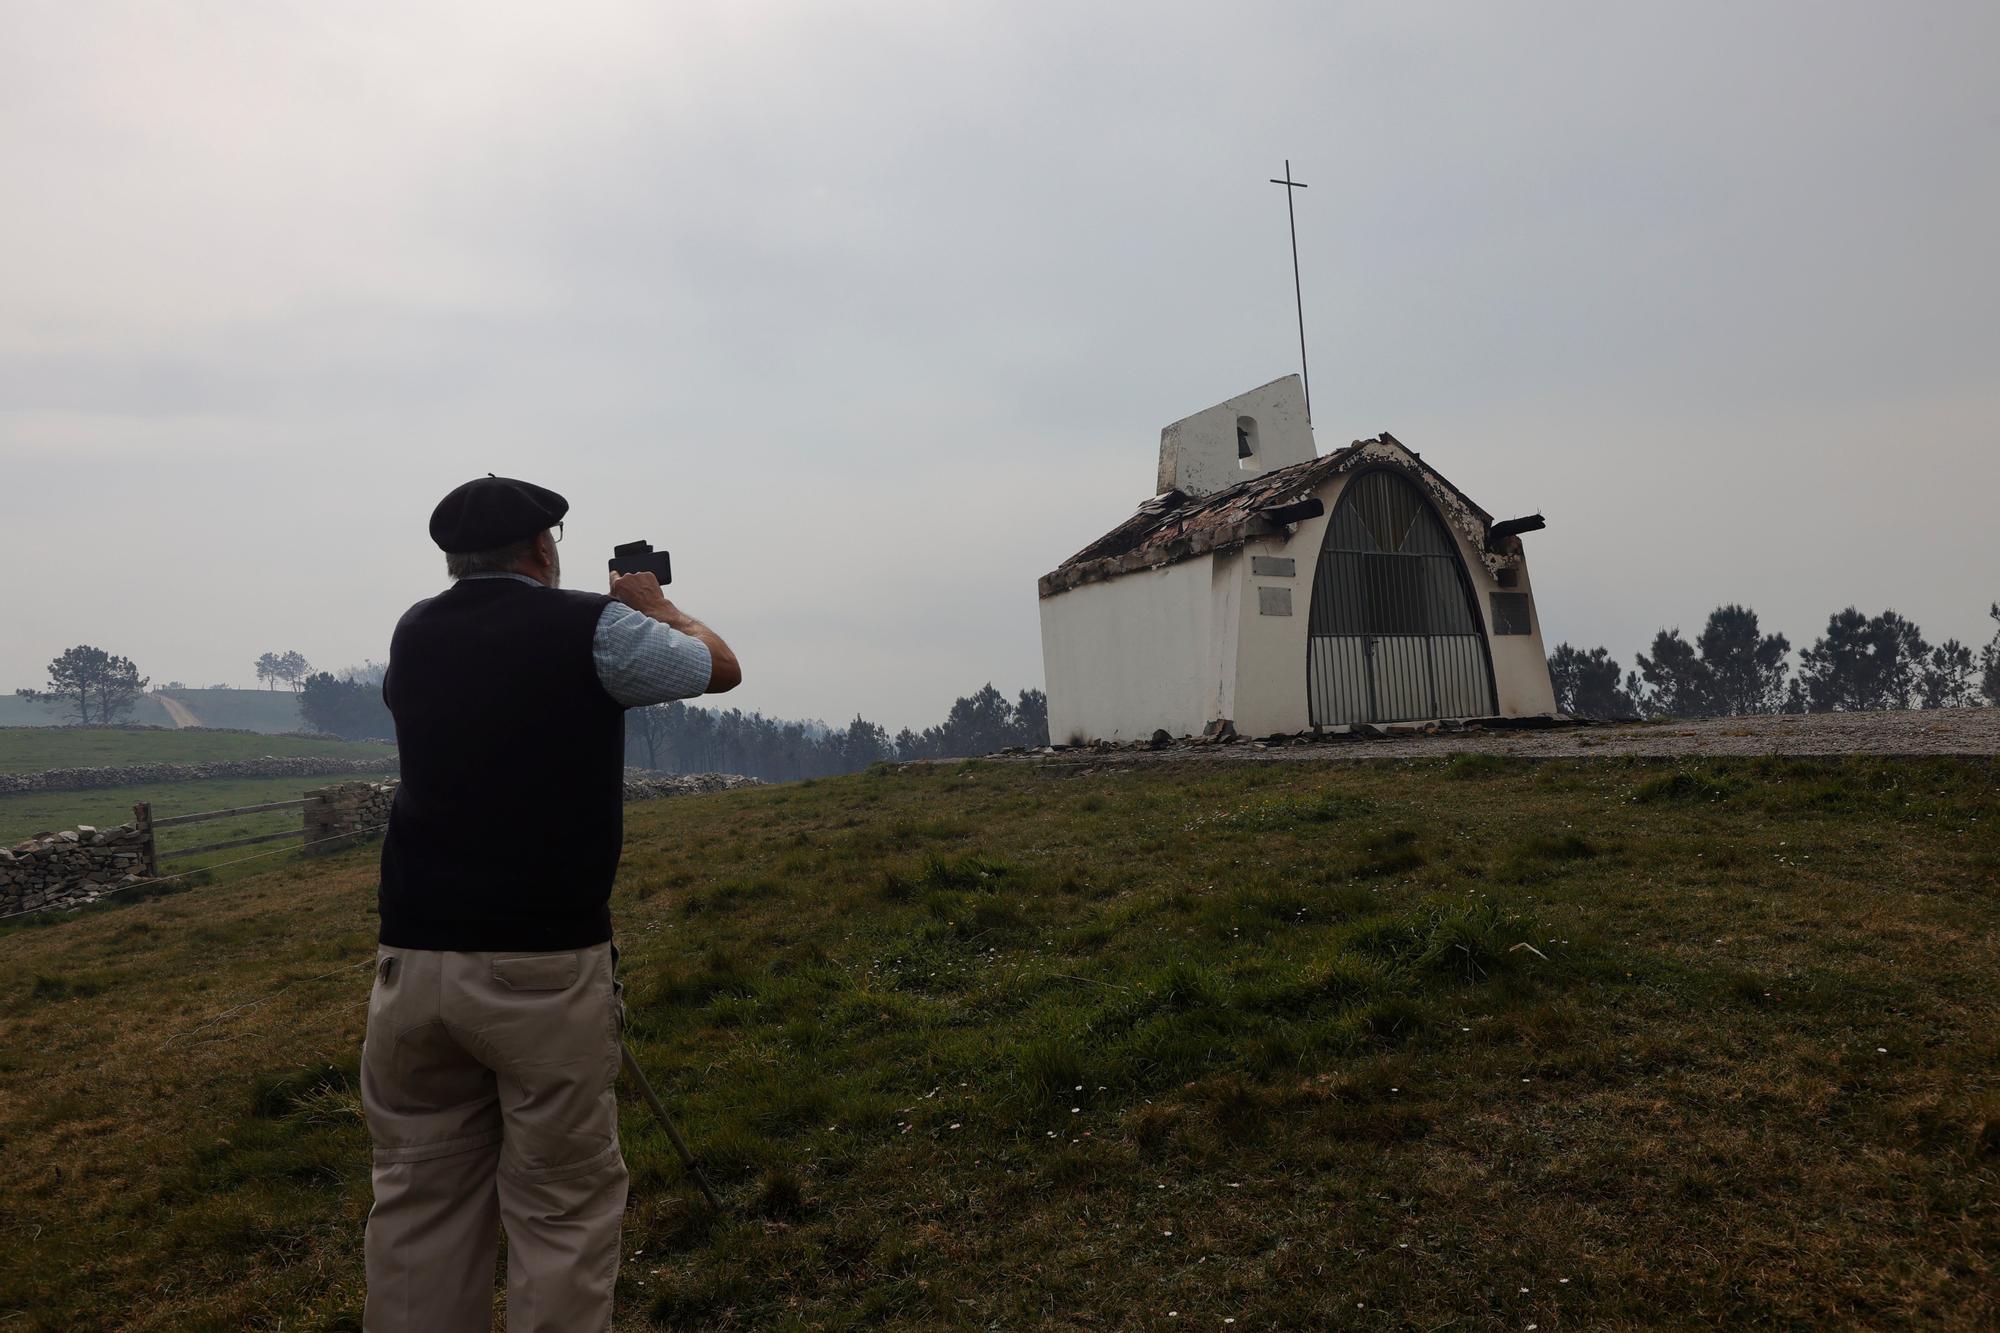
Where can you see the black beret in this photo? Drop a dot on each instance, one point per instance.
(491, 512)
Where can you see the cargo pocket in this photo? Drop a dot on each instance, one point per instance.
(543, 971)
(379, 1037)
(385, 976)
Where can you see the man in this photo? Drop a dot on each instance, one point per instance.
(493, 1029)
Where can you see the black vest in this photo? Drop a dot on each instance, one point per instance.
(507, 825)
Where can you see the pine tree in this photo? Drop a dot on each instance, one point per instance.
(1948, 678)
(1989, 674)
(1586, 683)
(1863, 662)
(1746, 670)
(1678, 682)
(350, 708)
(91, 680)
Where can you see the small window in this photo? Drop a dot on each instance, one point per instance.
(1246, 440)
(1511, 614)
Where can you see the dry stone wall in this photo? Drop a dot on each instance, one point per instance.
(128, 775)
(70, 868)
(77, 866)
(345, 813)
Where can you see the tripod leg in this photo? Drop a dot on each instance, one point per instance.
(667, 1123)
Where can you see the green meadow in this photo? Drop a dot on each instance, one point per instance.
(28, 750)
(1438, 1044)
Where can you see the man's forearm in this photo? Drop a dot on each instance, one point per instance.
(724, 671)
(687, 624)
(642, 593)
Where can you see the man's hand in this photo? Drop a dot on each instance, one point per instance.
(641, 592)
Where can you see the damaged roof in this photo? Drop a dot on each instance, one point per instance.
(1173, 526)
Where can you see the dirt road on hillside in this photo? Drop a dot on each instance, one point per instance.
(1961, 731)
(180, 713)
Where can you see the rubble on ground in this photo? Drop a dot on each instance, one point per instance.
(641, 785)
(1929, 731)
(1224, 733)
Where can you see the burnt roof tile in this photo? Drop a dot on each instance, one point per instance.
(1171, 527)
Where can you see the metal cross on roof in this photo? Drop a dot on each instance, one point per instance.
(1298, 296)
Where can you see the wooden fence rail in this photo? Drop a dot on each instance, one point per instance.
(142, 815)
(206, 815)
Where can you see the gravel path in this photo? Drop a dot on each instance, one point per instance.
(1974, 731)
(179, 713)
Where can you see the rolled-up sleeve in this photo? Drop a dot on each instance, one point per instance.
(642, 661)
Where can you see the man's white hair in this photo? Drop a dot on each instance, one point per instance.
(499, 560)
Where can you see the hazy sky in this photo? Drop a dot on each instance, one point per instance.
(871, 313)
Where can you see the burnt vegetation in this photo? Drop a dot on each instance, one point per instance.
(690, 738)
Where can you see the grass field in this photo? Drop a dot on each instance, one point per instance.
(27, 750)
(32, 749)
(994, 1046)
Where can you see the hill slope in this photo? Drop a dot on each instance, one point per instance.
(248, 710)
(31, 749)
(251, 710)
(1001, 1046)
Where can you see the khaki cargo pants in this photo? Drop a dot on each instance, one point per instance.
(487, 1082)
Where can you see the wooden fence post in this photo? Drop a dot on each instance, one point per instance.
(142, 818)
(315, 819)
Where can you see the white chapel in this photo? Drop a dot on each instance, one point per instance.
(1280, 590)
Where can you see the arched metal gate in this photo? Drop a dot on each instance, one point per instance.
(1394, 634)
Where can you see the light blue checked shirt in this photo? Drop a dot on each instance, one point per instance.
(639, 660)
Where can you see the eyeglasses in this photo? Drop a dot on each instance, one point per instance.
(556, 532)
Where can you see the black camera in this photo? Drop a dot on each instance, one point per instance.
(641, 558)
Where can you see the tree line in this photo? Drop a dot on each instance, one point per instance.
(683, 738)
(290, 667)
(687, 738)
(101, 687)
(1732, 667)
